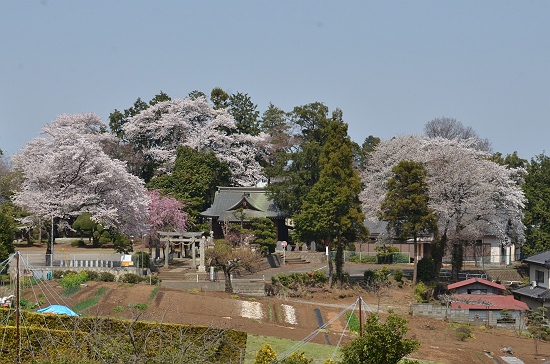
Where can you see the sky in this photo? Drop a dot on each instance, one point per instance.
(390, 66)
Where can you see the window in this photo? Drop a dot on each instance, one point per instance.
(539, 276)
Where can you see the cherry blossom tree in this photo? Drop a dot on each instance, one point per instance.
(67, 173)
(165, 213)
(193, 122)
(469, 193)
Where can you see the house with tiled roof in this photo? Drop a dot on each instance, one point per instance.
(488, 249)
(476, 286)
(485, 299)
(239, 205)
(537, 292)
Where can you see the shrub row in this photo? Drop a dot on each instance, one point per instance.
(71, 278)
(106, 337)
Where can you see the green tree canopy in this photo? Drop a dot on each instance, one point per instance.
(537, 209)
(7, 231)
(245, 112)
(381, 342)
(331, 210)
(194, 180)
(297, 169)
(405, 206)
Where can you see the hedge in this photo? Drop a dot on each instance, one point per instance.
(97, 336)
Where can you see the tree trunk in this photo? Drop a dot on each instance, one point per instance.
(340, 262)
(438, 251)
(415, 267)
(228, 285)
(457, 259)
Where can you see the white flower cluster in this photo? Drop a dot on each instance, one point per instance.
(290, 314)
(66, 173)
(470, 194)
(196, 124)
(251, 310)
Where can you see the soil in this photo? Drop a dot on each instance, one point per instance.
(297, 318)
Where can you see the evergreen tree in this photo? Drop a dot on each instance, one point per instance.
(266, 355)
(405, 206)
(7, 231)
(245, 113)
(194, 180)
(331, 210)
(537, 208)
(298, 169)
(380, 342)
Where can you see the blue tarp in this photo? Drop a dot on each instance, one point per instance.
(58, 310)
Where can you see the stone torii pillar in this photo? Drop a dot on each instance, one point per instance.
(193, 253)
(202, 244)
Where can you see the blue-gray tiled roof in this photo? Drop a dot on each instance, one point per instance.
(227, 199)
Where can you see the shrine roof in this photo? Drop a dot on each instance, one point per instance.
(254, 202)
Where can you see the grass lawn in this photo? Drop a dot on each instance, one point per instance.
(318, 352)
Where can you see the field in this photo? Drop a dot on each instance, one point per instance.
(294, 319)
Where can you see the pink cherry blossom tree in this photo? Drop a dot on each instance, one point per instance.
(66, 173)
(164, 213)
(160, 129)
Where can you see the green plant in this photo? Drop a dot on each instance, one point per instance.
(153, 294)
(464, 332)
(353, 322)
(140, 306)
(118, 309)
(381, 342)
(266, 355)
(106, 277)
(426, 270)
(74, 279)
(398, 275)
(297, 358)
(70, 291)
(421, 292)
(130, 278)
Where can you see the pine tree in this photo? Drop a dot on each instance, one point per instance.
(405, 206)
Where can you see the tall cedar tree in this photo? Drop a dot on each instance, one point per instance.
(405, 206)
(295, 172)
(331, 211)
(537, 209)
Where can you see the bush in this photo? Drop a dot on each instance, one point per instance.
(146, 259)
(297, 358)
(364, 259)
(426, 270)
(398, 275)
(421, 292)
(266, 355)
(92, 275)
(130, 278)
(154, 280)
(106, 277)
(74, 279)
(464, 332)
(369, 275)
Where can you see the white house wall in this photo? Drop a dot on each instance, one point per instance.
(532, 275)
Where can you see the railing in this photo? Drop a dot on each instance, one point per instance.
(490, 260)
(74, 260)
(374, 257)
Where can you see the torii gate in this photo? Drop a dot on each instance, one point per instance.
(185, 239)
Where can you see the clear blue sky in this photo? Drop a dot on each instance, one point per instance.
(391, 66)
